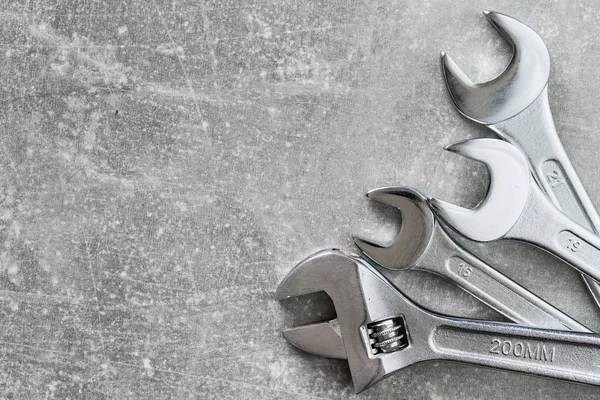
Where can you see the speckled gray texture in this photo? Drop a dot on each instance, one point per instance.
(165, 163)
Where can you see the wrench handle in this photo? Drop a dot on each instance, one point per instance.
(580, 248)
(533, 131)
(494, 288)
(558, 179)
(558, 234)
(555, 354)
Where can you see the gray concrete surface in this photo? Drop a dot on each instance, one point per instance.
(165, 163)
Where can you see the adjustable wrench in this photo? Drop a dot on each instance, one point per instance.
(516, 208)
(380, 331)
(423, 244)
(515, 106)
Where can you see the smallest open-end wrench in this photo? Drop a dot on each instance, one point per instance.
(380, 331)
(424, 245)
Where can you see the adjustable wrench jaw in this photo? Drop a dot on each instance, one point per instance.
(364, 301)
(519, 85)
(381, 331)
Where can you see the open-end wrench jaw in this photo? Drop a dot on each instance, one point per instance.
(505, 106)
(511, 92)
(507, 194)
(516, 208)
(428, 247)
(415, 234)
(362, 297)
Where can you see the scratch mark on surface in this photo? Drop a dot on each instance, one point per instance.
(228, 381)
(89, 262)
(174, 48)
(206, 29)
(12, 294)
(577, 126)
(68, 353)
(17, 15)
(129, 279)
(533, 11)
(47, 35)
(292, 32)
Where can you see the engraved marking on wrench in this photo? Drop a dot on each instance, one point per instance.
(460, 267)
(495, 291)
(494, 345)
(576, 245)
(521, 349)
(554, 174)
(557, 181)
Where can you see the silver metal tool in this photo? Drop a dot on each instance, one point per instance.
(379, 331)
(423, 244)
(515, 106)
(516, 208)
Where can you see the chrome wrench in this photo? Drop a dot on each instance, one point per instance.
(516, 208)
(380, 331)
(515, 106)
(423, 244)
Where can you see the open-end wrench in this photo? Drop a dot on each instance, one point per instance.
(516, 208)
(515, 106)
(380, 331)
(423, 244)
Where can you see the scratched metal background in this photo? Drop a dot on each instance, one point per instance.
(163, 164)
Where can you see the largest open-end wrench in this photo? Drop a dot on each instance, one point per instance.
(515, 106)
